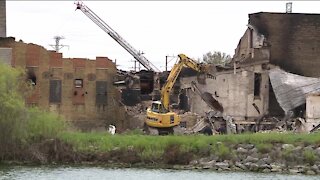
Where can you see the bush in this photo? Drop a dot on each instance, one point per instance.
(288, 155)
(264, 148)
(13, 112)
(222, 151)
(19, 124)
(309, 156)
(43, 125)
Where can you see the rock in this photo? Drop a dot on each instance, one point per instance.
(261, 162)
(242, 150)
(254, 167)
(194, 162)
(308, 148)
(297, 149)
(222, 165)
(311, 146)
(251, 159)
(294, 171)
(246, 146)
(315, 168)
(253, 151)
(248, 164)
(190, 167)
(300, 168)
(208, 165)
(235, 168)
(241, 166)
(264, 166)
(275, 168)
(267, 160)
(287, 146)
(306, 168)
(310, 172)
(317, 151)
(177, 167)
(203, 160)
(266, 170)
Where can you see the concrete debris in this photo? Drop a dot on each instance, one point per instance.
(290, 94)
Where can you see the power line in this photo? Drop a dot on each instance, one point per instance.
(58, 46)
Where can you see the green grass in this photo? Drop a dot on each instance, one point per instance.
(172, 148)
(43, 125)
(106, 142)
(264, 147)
(309, 156)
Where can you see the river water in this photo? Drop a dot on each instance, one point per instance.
(98, 173)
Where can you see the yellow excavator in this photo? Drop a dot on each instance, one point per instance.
(159, 116)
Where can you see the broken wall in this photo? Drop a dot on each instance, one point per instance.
(312, 112)
(294, 40)
(79, 89)
(241, 96)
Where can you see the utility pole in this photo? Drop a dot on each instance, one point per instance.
(135, 64)
(168, 61)
(58, 46)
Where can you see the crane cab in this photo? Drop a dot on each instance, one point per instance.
(159, 117)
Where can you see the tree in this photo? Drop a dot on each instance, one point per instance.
(217, 58)
(20, 125)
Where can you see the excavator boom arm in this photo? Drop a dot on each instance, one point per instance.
(171, 80)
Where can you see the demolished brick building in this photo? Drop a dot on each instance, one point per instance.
(79, 89)
(288, 40)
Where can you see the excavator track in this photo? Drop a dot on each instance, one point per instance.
(176, 130)
(159, 131)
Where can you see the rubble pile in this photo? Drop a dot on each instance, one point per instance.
(135, 114)
(135, 110)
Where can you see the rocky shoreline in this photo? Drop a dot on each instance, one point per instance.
(279, 158)
(282, 158)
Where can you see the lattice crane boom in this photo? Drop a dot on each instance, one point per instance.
(114, 35)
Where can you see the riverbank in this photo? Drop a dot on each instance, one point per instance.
(101, 172)
(260, 152)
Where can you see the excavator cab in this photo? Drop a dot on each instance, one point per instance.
(158, 107)
(159, 117)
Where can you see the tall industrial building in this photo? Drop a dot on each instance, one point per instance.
(3, 24)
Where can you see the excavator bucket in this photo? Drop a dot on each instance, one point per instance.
(208, 98)
(211, 101)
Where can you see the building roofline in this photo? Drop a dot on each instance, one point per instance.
(282, 13)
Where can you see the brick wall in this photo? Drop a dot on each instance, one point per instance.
(294, 40)
(77, 104)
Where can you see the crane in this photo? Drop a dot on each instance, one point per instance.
(159, 115)
(114, 35)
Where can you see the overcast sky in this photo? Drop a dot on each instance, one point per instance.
(158, 28)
